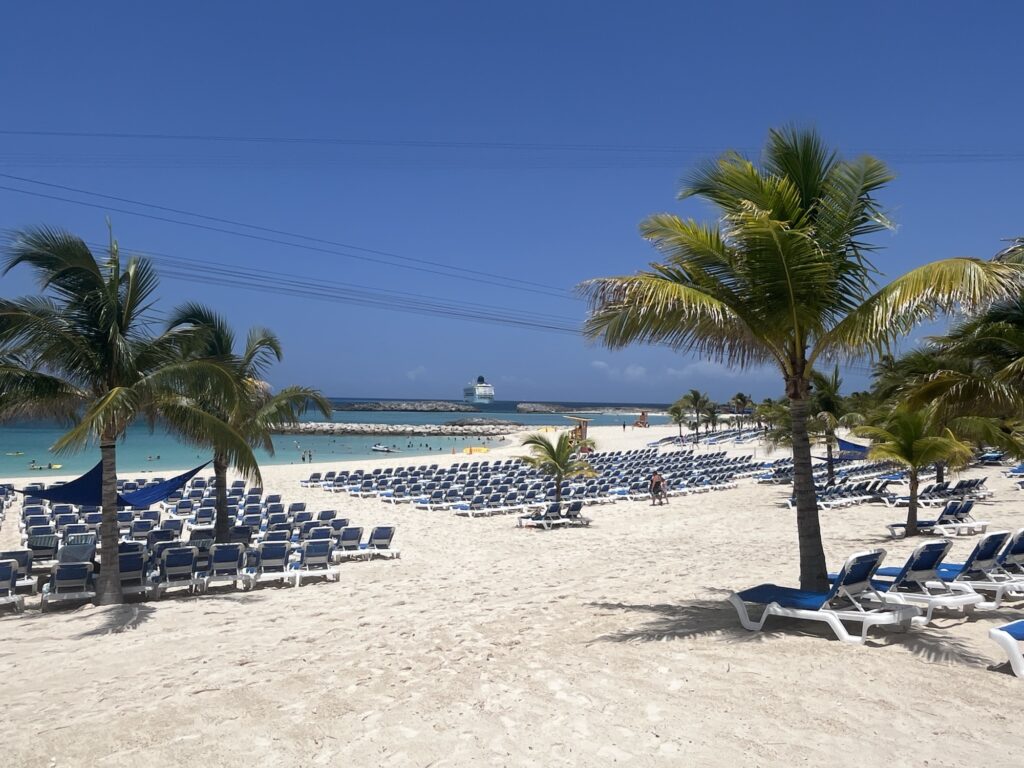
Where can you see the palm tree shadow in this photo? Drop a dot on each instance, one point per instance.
(674, 621)
(934, 645)
(120, 618)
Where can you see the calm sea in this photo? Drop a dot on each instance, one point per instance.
(143, 451)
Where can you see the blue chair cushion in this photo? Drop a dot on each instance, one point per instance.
(787, 597)
(1014, 629)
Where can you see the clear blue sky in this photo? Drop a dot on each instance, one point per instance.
(933, 88)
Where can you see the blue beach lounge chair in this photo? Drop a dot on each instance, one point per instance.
(379, 544)
(69, 581)
(348, 547)
(315, 560)
(918, 583)
(8, 584)
(1009, 636)
(227, 564)
(845, 601)
(177, 568)
(131, 566)
(271, 563)
(982, 572)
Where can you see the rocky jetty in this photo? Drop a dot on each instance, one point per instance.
(396, 430)
(419, 406)
(482, 421)
(540, 408)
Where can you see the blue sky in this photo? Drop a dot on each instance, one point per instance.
(933, 90)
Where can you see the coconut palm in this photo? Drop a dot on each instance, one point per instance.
(558, 460)
(697, 403)
(740, 402)
(831, 412)
(253, 411)
(783, 277)
(679, 415)
(83, 352)
(914, 438)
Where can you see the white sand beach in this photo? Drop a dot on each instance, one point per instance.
(490, 645)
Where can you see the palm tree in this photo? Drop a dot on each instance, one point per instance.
(252, 411)
(783, 277)
(697, 403)
(83, 352)
(915, 439)
(679, 414)
(831, 412)
(711, 417)
(740, 402)
(558, 459)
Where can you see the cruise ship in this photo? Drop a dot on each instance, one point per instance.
(480, 392)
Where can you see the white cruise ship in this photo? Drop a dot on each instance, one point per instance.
(480, 392)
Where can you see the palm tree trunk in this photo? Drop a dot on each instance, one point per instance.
(912, 505)
(940, 471)
(222, 530)
(108, 583)
(829, 435)
(813, 573)
(558, 489)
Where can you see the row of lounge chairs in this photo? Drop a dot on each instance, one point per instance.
(867, 594)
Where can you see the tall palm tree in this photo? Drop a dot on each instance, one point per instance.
(83, 351)
(698, 403)
(679, 414)
(557, 460)
(740, 402)
(253, 411)
(914, 438)
(783, 277)
(830, 412)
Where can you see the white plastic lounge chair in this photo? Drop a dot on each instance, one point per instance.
(548, 519)
(69, 581)
(982, 572)
(272, 564)
(315, 560)
(379, 544)
(844, 602)
(227, 564)
(131, 567)
(1009, 636)
(918, 583)
(348, 545)
(177, 568)
(8, 585)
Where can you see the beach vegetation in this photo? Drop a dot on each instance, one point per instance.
(559, 460)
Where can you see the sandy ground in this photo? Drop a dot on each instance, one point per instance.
(488, 645)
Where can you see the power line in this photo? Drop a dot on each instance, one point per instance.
(921, 156)
(499, 280)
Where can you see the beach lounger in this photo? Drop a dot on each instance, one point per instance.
(272, 563)
(177, 568)
(573, 514)
(982, 572)
(1009, 637)
(227, 564)
(23, 561)
(132, 572)
(845, 601)
(9, 584)
(548, 519)
(379, 544)
(918, 583)
(315, 560)
(69, 581)
(348, 545)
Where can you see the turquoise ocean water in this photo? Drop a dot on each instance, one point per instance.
(157, 452)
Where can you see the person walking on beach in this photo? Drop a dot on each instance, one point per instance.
(658, 493)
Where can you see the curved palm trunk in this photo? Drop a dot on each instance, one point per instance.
(912, 506)
(108, 582)
(813, 573)
(222, 528)
(829, 437)
(940, 471)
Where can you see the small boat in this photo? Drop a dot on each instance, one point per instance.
(16, 453)
(41, 467)
(381, 448)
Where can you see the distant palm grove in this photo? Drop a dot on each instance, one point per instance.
(90, 352)
(782, 276)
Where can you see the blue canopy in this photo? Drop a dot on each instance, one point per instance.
(88, 490)
(852, 450)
